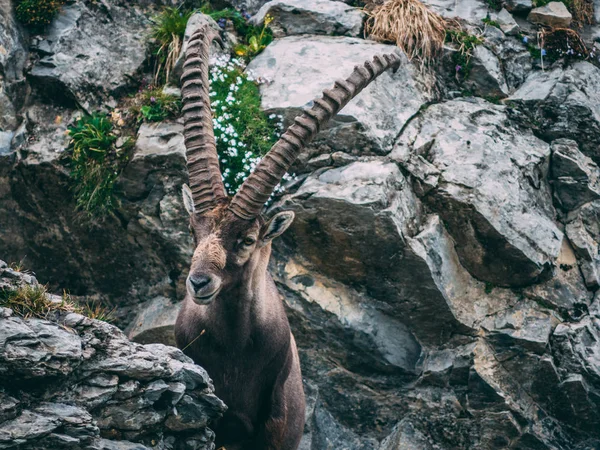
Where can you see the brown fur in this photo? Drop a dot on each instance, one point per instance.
(242, 336)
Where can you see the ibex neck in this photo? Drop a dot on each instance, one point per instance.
(239, 310)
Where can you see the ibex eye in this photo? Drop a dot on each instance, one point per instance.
(249, 241)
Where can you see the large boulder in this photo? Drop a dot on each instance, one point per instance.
(488, 183)
(564, 104)
(411, 267)
(90, 53)
(95, 389)
(327, 17)
(298, 68)
(553, 14)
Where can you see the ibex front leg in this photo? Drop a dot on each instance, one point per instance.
(285, 424)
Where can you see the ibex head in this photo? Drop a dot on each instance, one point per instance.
(232, 238)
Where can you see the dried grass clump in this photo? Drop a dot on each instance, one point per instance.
(582, 10)
(417, 30)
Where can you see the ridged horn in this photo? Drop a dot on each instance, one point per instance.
(206, 182)
(258, 187)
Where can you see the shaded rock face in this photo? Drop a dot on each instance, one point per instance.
(148, 245)
(73, 66)
(79, 383)
(488, 185)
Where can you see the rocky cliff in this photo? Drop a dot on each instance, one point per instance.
(72, 382)
(441, 275)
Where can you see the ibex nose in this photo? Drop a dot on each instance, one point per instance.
(199, 281)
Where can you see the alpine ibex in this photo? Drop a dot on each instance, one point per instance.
(233, 322)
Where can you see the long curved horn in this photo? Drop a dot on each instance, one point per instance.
(206, 182)
(256, 190)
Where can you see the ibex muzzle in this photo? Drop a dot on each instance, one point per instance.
(233, 321)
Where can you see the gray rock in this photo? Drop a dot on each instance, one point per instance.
(5, 141)
(491, 194)
(85, 62)
(372, 198)
(471, 11)
(583, 232)
(565, 104)
(405, 437)
(578, 359)
(554, 14)
(299, 68)
(518, 6)
(155, 322)
(486, 77)
(576, 177)
(566, 291)
(95, 380)
(507, 23)
(327, 17)
(13, 56)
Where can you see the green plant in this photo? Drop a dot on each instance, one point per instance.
(242, 131)
(238, 20)
(496, 5)
(168, 31)
(37, 13)
(257, 38)
(465, 44)
(33, 301)
(417, 30)
(95, 162)
(156, 106)
(490, 22)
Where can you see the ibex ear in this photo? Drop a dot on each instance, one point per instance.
(277, 225)
(188, 200)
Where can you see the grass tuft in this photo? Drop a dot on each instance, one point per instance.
(168, 31)
(417, 30)
(465, 44)
(33, 301)
(152, 105)
(30, 301)
(95, 163)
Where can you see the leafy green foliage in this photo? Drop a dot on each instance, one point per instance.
(496, 5)
(258, 39)
(465, 44)
(254, 39)
(168, 32)
(242, 131)
(157, 106)
(37, 13)
(490, 22)
(95, 163)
